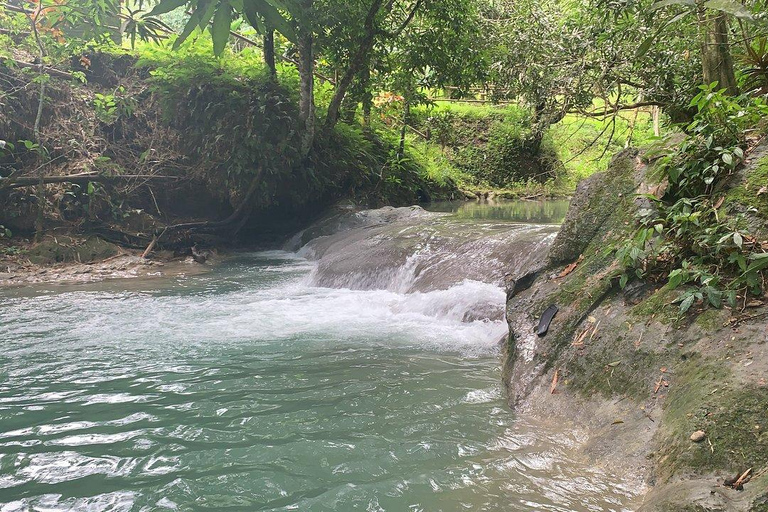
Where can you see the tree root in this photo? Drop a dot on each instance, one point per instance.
(237, 218)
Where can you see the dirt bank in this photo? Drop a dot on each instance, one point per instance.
(68, 259)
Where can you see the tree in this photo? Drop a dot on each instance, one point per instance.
(713, 33)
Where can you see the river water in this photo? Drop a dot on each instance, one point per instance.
(251, 388)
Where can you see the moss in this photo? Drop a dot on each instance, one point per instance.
(603, 205)
(745, 195)
(761, 503)
(733, 417)
(710, 319)
(614, 369)
(657, 306)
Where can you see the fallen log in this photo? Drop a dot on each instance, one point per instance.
(51, 71)
(80, 179)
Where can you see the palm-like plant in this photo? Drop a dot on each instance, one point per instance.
(138, 23)
(755, 63)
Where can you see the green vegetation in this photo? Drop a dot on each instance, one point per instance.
(683, 237)
(752, 193)
(585, 145)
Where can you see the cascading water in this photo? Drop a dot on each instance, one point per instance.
(359, 373)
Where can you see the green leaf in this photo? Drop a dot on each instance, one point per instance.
(727, 158)
(200, 18)
(738, 240)
(255, 9)
(687, 303)
(760, 263)
(675, 278)
(220, 28)
(646, 45)
(192, 23)
(166, 6)
(729, 7)
(623, 281)
(715, 297)
(664, 3)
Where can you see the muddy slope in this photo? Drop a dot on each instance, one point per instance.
(639, 380)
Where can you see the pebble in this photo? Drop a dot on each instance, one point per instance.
(698, 436)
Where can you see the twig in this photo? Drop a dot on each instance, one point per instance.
(51, 71)
(555, 378)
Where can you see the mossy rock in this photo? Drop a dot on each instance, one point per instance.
(734, 417)
(601, 202)
(750, 196)
(67, 250)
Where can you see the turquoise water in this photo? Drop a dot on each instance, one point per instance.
(247, 388)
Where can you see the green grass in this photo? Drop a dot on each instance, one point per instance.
(585, 145)
(478, 110)
(433, 162)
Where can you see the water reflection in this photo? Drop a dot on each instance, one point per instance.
(539, 212)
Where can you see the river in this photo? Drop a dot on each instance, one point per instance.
(256, 386)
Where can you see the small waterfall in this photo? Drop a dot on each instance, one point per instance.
(442, 266)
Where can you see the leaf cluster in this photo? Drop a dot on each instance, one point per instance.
(683, 236)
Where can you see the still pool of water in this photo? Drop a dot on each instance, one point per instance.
(542, 212)
(247, 389)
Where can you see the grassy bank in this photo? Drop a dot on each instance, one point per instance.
(481, 147)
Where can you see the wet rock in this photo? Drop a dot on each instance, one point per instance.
(593, 204)
(698, 436)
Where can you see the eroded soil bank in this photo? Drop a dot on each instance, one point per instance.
(77, 259)
(636, 377)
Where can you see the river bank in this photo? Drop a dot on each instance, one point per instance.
(71, 260)
(680, 397)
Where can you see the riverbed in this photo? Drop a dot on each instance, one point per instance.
(250, 387)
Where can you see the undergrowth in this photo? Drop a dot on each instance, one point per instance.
(684, 237)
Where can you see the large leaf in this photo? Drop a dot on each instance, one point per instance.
(729, 7)
(166, 6)
(253, 17)
(664, 3)
(272, 17)
(220, 28)
(199, 18)
(760, 262)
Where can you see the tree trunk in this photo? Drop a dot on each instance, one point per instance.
(367, 107)
(357, 94)
(404, 128)
(357, 61)
(306, 91)
(269, 52)
(716, 59)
